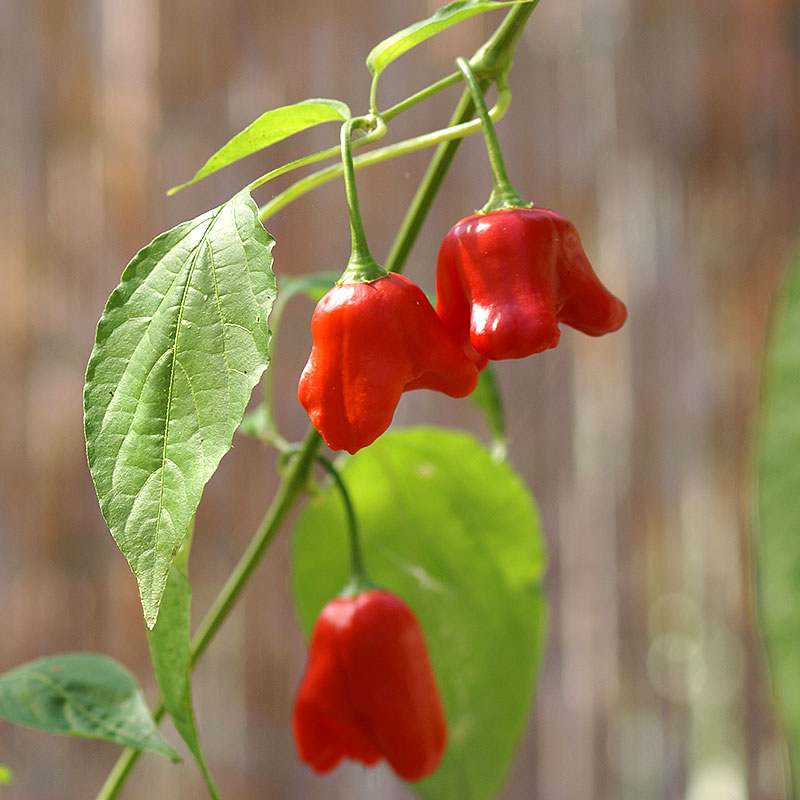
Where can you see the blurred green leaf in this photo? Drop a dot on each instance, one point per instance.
(81, 694)
(257, 423)
(488, 399)
(778, 545)
(457, 536)
(172, 660)
(395, 45)
(6, 775)
(314, 286)
(271, 127)
(181, 344)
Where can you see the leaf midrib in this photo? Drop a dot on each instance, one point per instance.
(78, 707)
(201, 244)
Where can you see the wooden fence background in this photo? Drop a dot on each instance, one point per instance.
(668, 132)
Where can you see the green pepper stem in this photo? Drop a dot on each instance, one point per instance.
(503, 193)
(423, 94)
(362, 267)
(359, 579)
(451, 135)
(293, 486)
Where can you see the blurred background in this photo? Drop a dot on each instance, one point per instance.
(667, 132)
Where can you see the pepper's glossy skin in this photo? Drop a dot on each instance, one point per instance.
(505, 280)
(369, 690)
(372, 342)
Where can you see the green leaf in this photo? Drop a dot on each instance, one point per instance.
(457, 536)
(259, 422)
(389, 49)
(172, 660)
(314, 286)
(778, 547)
(6, 775)
(81, 694)
(269, 128)
(181, 344)
(487, 398)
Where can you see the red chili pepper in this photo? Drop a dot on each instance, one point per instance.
(506, 278)
(372, 342)
(369, 690)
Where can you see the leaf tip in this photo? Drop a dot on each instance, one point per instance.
(151, 602)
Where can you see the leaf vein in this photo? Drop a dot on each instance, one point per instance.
(202, 243)
(79, 707)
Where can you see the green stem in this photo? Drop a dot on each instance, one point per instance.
(444, 83)
(491, 60)
(503, 194)
(378, 133)
(359, 579)
(293, 485)
(315, 179)
(494, 58)
(431, 183)
(362, 267)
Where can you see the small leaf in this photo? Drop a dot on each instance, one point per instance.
(314, 286)
(81, 694)
(170, 652)
(779, 509)
(257, 423)
(389, 49)
(181, 344)
(6, 775)
(457, 536)
(271, 127)
(487, 398)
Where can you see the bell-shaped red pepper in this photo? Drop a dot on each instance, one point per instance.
(372, 342)
(505, 279)
(369, 690)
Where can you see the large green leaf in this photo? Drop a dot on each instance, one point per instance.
(395, 45)
(81, 694)
(779, 505)
(457, 536)
(181, 343)
(271, 127)
(172, 660)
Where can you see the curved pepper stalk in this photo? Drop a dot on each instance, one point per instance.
(372, 342)
(505, 280)
(369, 691)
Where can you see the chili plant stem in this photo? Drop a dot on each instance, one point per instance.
(359, 579)
(423, 94)
(292, 486)
(492, 59)
(428, 188)
(503, 193)
(404, 147)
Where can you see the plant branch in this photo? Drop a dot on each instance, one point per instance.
(315, 179)
(492, 61)
(292, 486)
